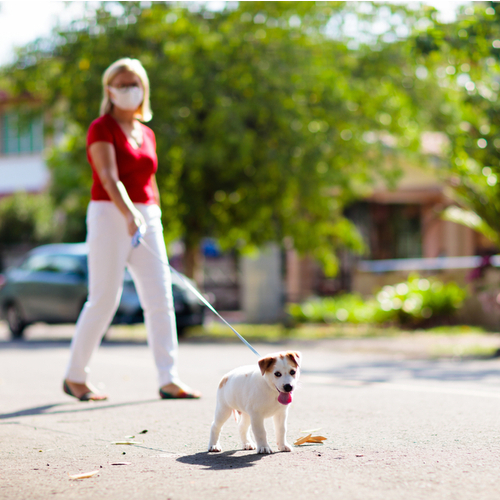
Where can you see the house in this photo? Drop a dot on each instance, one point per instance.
(22, 166)
(404, 233)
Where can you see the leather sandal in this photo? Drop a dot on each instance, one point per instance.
(88, 396)
(180, 395)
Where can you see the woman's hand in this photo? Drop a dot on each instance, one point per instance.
(134, 221)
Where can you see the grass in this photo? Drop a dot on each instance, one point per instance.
(460, 351)
(278, 332)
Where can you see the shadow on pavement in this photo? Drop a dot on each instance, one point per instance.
(59, 343)
(45, 410)
(386, 371)
(222, 461)
(34, 344)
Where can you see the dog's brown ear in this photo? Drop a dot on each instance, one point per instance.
(265, 364)
(295, 357)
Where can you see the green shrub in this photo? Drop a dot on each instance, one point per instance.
(345, 308)
(26, 218)
(412, 303)
(417, 300)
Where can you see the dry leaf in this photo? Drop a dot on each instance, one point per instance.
(316, 439)
(310, 439)
(84, 475)
(126, 442)
(302, 440)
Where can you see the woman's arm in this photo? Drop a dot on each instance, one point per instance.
(104, 160)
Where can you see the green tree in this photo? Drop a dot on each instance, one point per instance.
(267, 126)
(464, 56)
(26, 218)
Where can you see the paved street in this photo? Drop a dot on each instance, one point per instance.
(399, 425)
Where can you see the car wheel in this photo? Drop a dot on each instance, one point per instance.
(15, 321)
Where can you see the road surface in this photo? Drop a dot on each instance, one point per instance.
(399, 425)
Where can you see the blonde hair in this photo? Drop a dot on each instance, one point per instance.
(126, 64)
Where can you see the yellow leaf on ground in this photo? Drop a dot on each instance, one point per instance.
(302, 440)
(310, 439)
(316, 439)
(84, 475)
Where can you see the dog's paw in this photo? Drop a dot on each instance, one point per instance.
(214, 448)
(263, 450)
(284, 447)
(249, 446)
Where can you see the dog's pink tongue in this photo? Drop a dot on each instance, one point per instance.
(285, 398)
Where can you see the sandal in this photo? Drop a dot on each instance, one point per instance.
(88, 396)
(180, 395)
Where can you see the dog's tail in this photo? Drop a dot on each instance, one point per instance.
(237, 415)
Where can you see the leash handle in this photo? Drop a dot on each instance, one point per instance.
(136, 239)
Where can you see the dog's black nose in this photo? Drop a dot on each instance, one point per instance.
(287, 388)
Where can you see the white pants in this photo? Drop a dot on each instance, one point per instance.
(110, 251)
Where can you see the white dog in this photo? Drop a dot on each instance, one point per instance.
(257, 393)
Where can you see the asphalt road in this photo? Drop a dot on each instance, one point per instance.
(398, 426)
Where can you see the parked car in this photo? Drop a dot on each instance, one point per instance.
(50, 286)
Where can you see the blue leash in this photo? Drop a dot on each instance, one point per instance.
(138, 239)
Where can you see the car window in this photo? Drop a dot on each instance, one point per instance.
(66, 264)
(35, 263)
(62, 264)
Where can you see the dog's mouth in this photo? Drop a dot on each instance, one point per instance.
(285, 398)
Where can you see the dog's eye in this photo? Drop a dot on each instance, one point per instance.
(292, 372)
(277, 374)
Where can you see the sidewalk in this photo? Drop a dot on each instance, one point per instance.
(397, 426)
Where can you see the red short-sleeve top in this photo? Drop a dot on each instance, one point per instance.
(135, 166)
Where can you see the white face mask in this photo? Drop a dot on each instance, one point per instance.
(129, 98)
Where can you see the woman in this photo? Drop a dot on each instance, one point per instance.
(125, 197)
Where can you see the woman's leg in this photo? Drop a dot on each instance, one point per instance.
(109, 247)
(154, 286)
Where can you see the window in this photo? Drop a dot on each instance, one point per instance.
(407, 231)
(36, 263)
(20, 134)
(61, 264)
(391, 231)
(66, 264)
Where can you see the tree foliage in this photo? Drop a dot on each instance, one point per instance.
(266, 124)
(465, 59)
(25, 218)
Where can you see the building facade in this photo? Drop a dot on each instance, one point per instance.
(403, 232)
(22, 165)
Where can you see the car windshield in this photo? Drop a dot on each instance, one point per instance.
(63, 264)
